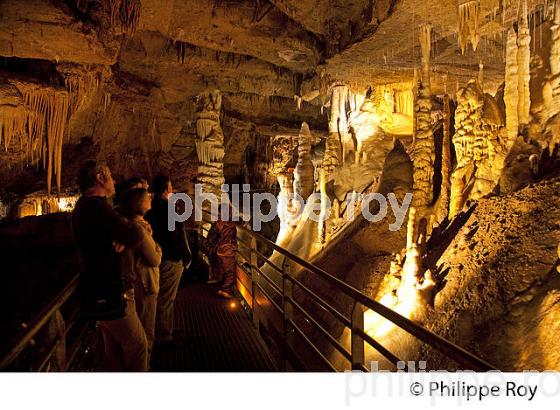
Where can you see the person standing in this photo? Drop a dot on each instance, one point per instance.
(221, 245)
(143, 262)
(100, 235)
(176, 256)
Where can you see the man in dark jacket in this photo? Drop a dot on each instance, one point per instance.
(100, 235)
(176, 256)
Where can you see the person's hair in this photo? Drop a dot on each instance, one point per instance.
(125, 186)
(160, 184)
(130, 202)
(136, 180)
(87, 176)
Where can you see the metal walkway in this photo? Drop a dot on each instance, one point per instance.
(212, 335)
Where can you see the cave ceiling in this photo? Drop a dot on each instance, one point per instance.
(256, 51)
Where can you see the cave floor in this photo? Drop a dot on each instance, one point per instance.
(211, 335)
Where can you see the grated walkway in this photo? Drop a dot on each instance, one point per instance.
(211, 335)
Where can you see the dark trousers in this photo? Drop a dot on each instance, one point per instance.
(226, 268)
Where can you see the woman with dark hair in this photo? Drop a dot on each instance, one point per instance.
(142, 263)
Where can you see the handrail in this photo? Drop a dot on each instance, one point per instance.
(450, 349)
(437, 342)
(23, 338)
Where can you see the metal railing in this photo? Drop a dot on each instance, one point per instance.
(58, 345)
(280, 295)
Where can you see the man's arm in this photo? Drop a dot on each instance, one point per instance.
(122, 231)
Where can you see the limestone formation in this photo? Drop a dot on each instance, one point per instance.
(304, 181)
(511, 92)
(423, 150)
(478, 145)
(210, 142)
(523, 66)
(38, 116)
(446, 168)
(469, 12)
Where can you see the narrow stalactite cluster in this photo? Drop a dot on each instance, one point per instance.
(125, 14)
(38, 117)
(81, 84)
(210, 142)
(469, 13)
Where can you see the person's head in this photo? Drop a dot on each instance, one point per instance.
(95, 178)
(128, 184)
(137, 182)
(135, 202)
(161, 186)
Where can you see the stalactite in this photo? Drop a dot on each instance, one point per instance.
(44, 113)
(404, 102)
(338, 120)
(511, 92)
(80, 85)
(523, 66)
(469, 13)
(125, 14)
(425, 45)
(13, 116)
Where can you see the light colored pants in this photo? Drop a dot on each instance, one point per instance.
(124, 341)
(146, 306)
(169, 277)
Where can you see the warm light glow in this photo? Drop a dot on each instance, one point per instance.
(232, 305)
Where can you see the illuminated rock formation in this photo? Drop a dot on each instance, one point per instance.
(551, 91)
(423, 150)
(304, 181)
(338, 128)
(446, 168)
(38, 117)
(511, 92)
(478, 146)
(469, 13)
(523, 66)
(210, 142)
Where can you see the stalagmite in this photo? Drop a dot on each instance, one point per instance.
(469, 13)
(523, 66)
(478, 146)
(551, 88)
(336, 147)
(282, 165)
(210, 142)
(511, 92)
(423, 150)
(443, 201)
(555, 42)
(304, 182)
